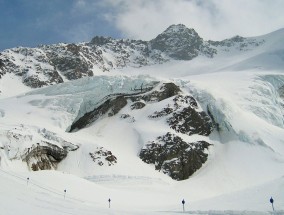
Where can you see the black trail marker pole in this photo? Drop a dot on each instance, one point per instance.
(64, 193)
(183, 202)
(109, 203)
(271, 201)
(28, 179)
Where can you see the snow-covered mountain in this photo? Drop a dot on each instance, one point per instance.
(152, 121)
(53, 64)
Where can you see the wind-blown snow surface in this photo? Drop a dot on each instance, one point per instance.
(246, 162)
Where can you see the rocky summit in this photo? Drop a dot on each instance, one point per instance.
(52, 64)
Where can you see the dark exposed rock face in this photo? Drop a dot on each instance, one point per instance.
(32, 65)
(117, 101)
(99, 40)
(73, 48)
(123, 51)
(170, 153)
(41, 153)
(111, 106)
(137, 105)
(34, 82)
(175, 157)
(181, 43)
(127, 117)
(45, 157)
(1, 64)
(2, 67)
(183, 117)
(189, 121)
(240, 43)
(116, 105)
(102, 156)
(69, 61)
(166, 91)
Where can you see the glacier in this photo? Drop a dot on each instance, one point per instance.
(240, 87)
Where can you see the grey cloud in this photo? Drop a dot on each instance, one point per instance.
(213, 19)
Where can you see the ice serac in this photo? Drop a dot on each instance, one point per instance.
(260, 101)
(269, 99)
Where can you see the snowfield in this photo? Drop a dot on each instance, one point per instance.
(245, 167)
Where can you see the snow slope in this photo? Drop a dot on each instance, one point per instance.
(246, 160)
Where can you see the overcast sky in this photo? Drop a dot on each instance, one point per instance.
(34, 22)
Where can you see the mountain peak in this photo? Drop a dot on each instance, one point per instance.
(178, 42)
(180, 29)
(176, 27)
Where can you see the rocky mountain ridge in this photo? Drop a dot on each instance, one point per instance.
(53, 64)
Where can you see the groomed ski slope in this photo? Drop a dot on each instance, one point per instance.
(245, 166)
(44, 194)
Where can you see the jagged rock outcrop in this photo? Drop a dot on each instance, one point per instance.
(111, 106)
(44, 157)
(127, 117)
(116, 102)
(185, 117)
(2, 64)
(137, 105)
(53, 64)
(181, 43)
(102, 156)
(39, 148)
(189, 121)
(167, 90)
(238, 42)
(32, 64)
(69, 61)
(170, 153)
(2, 67)
(175, 157)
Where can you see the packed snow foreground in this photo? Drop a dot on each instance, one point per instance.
(208, 130)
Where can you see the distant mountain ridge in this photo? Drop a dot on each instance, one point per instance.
(53, 64)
